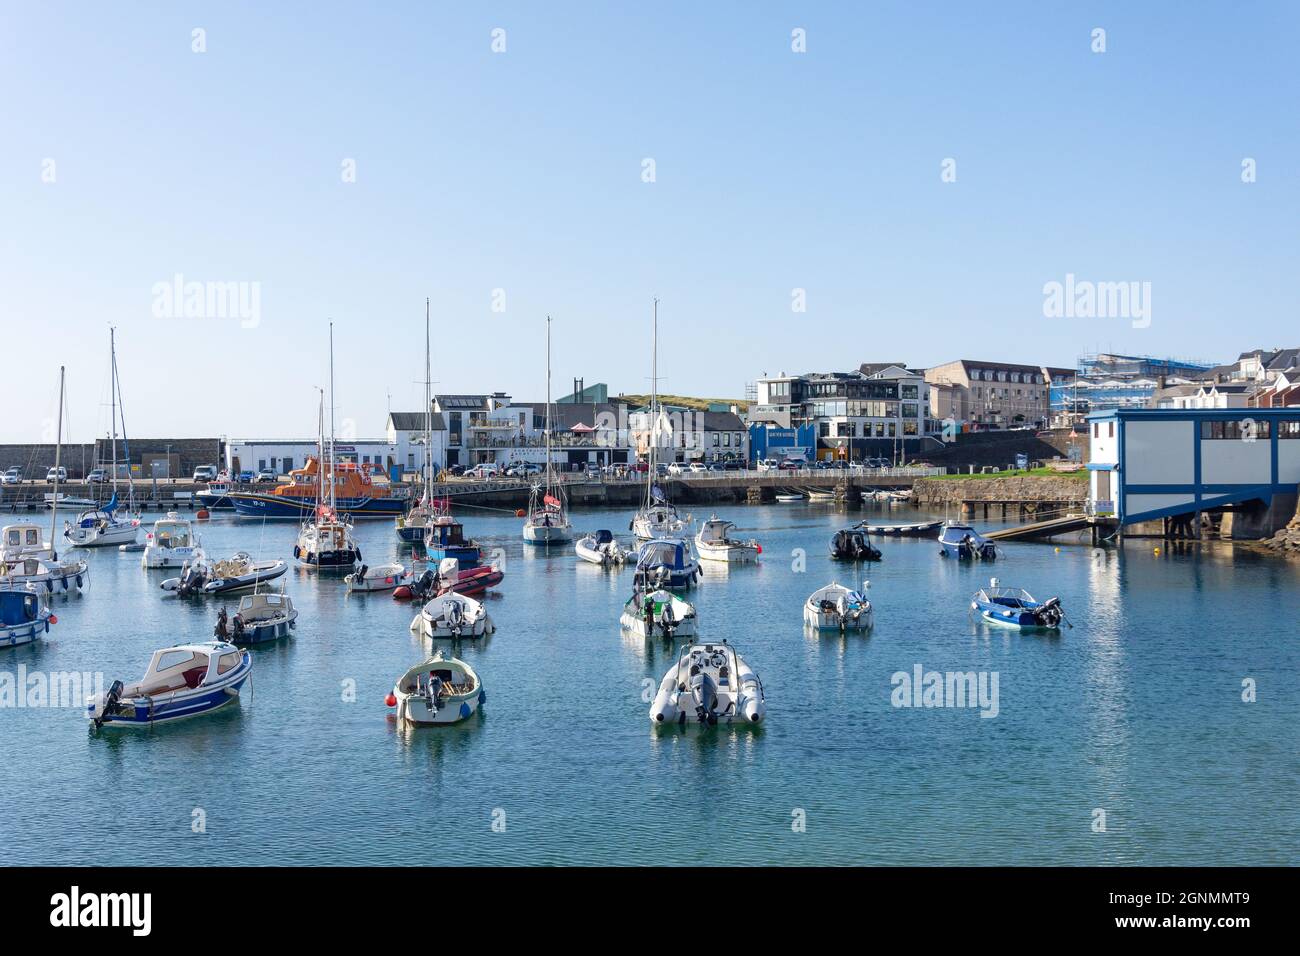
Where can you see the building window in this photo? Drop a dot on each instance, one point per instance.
(1247, 430)
(1289, 428)
(1111, 427)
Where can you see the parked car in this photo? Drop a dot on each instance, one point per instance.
(266, 475)
(790, 464)
(674, 469)
(12, 476)
(697, 468)
(734, 465)
(57, 474)
(97, 476)
(245, 477)
(484, 470)
(522, 469)
(205, 473)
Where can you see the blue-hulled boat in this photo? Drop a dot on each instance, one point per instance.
(24, 616)
(1016, 607)
(444, 537)
(964, 543)
(667, 563)
(182, 681)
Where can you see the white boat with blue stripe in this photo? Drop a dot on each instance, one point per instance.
(181, 681)
(1016, 607)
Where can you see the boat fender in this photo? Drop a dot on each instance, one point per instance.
(297, 551)
(482, 696)
(49, 584)
(391, 699)
(464, 710)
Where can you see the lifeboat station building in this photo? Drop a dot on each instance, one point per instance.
(1240, 466)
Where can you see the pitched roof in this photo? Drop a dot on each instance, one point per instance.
(414, 422)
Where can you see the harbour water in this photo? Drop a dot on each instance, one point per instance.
(1137, 712)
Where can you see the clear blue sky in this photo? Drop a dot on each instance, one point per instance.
(522, 171)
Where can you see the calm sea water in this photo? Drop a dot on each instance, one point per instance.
(1137, 711)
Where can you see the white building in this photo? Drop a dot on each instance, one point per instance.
(283, 456)
(408, 434)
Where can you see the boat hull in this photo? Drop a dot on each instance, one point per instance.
(828, 621)
(146, 712)
(415, 710)
(13, 635)
(547, 534)
(249, 504)
(731, 554)
(112, 537)
(266, 631)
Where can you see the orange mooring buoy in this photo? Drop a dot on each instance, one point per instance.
(519, 512)
(202, 514)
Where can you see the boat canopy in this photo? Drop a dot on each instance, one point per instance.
(664, 552)
(716, 529)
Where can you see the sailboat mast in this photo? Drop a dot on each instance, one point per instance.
(654, 407)
(112, 399)
(332, 452)
(58, 454)
(320, 454)
(548, 404)
(428, 413)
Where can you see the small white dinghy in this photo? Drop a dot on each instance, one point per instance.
(837, 608)
(386, 577)
(600, 547)
(659, 613)
(789, 499)
(437, 691)
(453, 616)
(709, 684)
(714, 542)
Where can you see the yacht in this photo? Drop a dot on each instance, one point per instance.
(548, 516)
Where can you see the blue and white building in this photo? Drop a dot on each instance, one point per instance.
(1150, 464)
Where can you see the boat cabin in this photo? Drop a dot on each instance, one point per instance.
(663, 552)
(172, 532)
(716, 531)
(185, 667)
(21, 538)
(19, 606)
(258, 608)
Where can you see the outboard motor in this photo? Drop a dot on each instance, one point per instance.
(432, 691)
(705, 694)
(424, 587)
(238, 628)
(109, 705)
(667, 620)
(219, 631)
(455, 618)
(1050, 614)
(361, 573)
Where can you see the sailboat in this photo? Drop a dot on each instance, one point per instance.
(410, 526)
(325, 541)
(657, 517)
(548, 518)
(103, 527)
(27, 559)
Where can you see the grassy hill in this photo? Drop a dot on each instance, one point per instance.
(685, 401)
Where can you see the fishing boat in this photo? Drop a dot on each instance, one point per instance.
(181, 681)
(914, 529)
(837, 608)
(852, 544)
(385, 577)
(659, 613)
(216, 496)
(261, 617)
(411, 526)
(24, 615)
(26, 558)
(441, 690)
(202, 576)
(444, 536)
(666, 563)
(171, 544)
(453, 616)
(104, 527)
(657, 518)
(709, 684)
(548, 517)
(963, 542)
(450, 576)
(1016, 607)
(714, 542)
(600, 547)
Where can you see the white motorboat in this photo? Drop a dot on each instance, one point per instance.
(261, 617)
(601, 547)
(547, 522)
(172, 543)
(715, 543)
(236, 573)
(667, 563)
(453, 616)
(26, 558)
(24, 615)
(837, 608)
(659, 613)
(181, 681)
(787, 499)
(821, 496)
(441, 690)
(959, 540)
(386, 577)
(709, 684)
